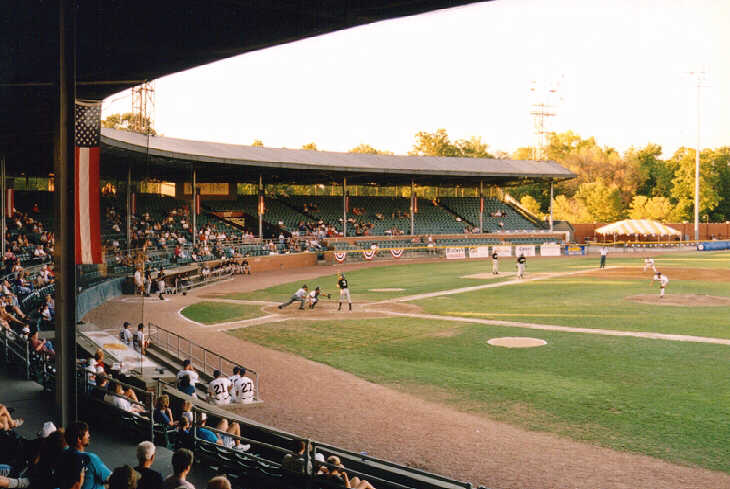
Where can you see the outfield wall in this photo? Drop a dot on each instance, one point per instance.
(281, 262)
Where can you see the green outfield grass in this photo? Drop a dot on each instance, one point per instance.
(219, 312)
(662, 398)
(665, 399)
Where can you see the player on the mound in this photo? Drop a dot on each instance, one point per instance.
(521, 262)
(314, 297)
(344, 290)
(663, 281)
(495, 262)
(300, 295)
(649, 264)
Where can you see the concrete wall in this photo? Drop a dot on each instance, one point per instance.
(281, 262)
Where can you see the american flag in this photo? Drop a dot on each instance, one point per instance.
(88, 135)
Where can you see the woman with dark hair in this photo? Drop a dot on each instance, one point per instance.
(124, 477)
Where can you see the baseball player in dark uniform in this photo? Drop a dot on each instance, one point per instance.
(344, 290)
(495, 262)
(521, 262)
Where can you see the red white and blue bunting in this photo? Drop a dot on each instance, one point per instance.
(396, 252)
(340, 256)
(369, 254)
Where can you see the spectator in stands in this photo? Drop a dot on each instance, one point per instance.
(138, 282)
(182, 462)
(41, 345)
(219, 482)
(75, 462)
(42, 471)
(297, 461)
(338, 475)
(150, 479)
(124, 477)
(119, 400)
(162, 413)
(101, 389)
(187, 411)
(7, 422)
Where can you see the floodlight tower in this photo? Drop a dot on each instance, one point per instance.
(143, 107)
(544, 97)
(699, 78)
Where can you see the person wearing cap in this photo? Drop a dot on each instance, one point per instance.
(125, 335)
(300, 296)
(140, 341)
(219, 389)
(243, 388)
(234, 380)
(344, 287)
(314, 297)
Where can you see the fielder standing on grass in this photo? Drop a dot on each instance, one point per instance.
(495, 262)
(604, 252)
(344, 290)
(663, 281)
(521, 262)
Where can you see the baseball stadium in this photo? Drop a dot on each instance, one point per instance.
(313, 319)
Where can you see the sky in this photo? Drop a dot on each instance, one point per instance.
(620, 70)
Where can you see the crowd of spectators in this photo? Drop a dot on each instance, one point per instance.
(60, 459)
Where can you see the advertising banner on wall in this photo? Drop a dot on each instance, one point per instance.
(479, 252)
(455, 253)
(575, 250)
(503, 250)
(527, 250)
(550, 250)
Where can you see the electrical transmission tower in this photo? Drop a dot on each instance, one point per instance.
(544, 99)
(143, 107)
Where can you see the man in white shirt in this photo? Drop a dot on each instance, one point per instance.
(663, 281)
(243, 388)
(125, 335)
(300, 295)
(219, 389)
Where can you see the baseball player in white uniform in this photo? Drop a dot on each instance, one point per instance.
(219, 389)
(663, 281)
(243, 388)
(344, 291)
(649, 264)
(314, 297)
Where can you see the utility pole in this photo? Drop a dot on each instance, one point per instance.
(699, 78)
(544, 97)
(143, 107)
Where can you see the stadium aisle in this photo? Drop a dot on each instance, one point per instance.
(36, 407)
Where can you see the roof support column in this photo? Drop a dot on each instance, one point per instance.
(344, 207)
(551, 206)
(4, 204)
(195, 207)
(261, 207)
(413, 208)
(481, 206)
(65, 254)
(129, 206)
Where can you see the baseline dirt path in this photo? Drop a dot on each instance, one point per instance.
(317, 401)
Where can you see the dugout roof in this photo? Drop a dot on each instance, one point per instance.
(121, 43)
(163, 157)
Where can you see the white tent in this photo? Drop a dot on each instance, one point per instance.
(645, 227)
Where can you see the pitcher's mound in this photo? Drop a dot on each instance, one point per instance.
(517, 342)
(691, 300)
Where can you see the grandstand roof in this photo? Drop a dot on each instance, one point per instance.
(122, 43)
(219, 162)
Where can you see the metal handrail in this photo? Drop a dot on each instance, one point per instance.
(174, 344)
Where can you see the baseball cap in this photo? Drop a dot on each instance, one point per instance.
(216, 373)
(236, 369)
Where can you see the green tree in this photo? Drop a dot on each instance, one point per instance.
(532, 206)
(603, 202)
(310, 146)
(367, 149)
(721, 164)
(433, 144)
(683, 183)
(473, 148)
(657, 208)
(655, 175)
(257, 142)
(570, 209)
(129, 122)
